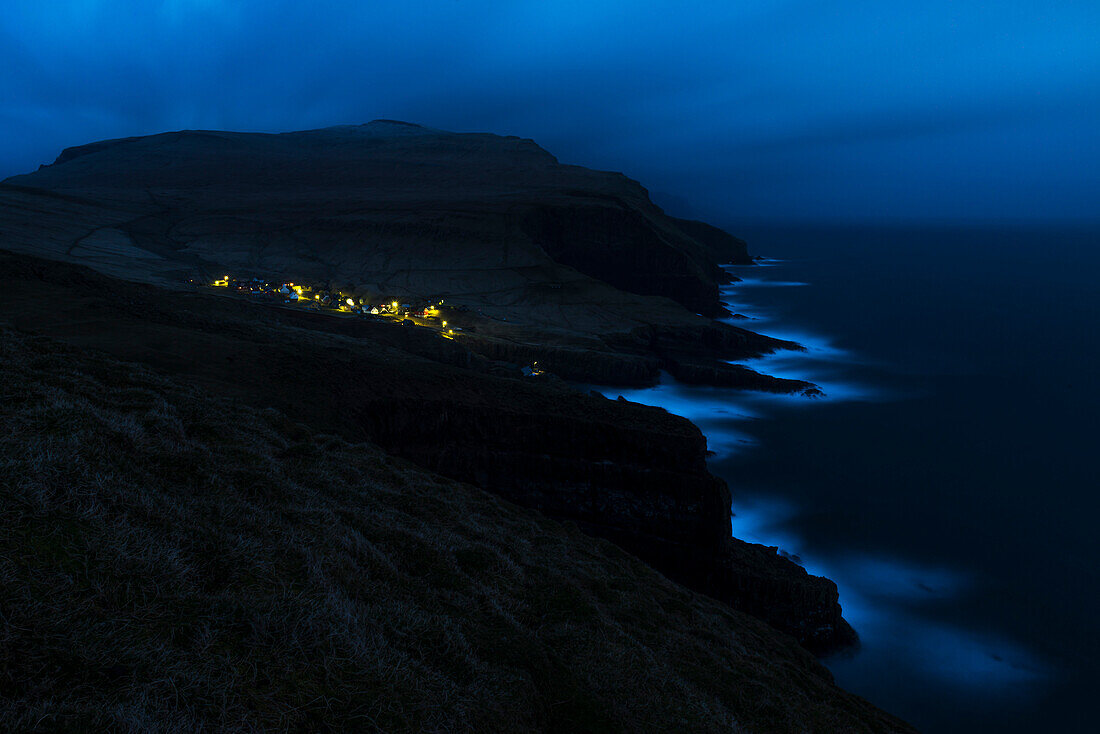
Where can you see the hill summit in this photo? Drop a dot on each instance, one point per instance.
(389, 204)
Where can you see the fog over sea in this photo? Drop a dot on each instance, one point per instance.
(948, 481)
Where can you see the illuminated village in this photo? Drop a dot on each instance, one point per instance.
(428, 313)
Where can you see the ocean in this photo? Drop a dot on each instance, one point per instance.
(948, 480)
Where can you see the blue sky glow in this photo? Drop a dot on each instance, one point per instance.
(767, 109)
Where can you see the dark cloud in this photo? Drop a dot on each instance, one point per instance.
(764, 109)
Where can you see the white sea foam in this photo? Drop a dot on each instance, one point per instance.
(761, 283)
(714, 410)
(885, 610)
(882, 597)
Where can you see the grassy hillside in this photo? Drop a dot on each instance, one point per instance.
(174, 562)
(632, 474)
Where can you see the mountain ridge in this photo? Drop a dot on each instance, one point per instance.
(549, 253)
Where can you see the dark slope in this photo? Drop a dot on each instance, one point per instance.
(720, 245)
(626, 472)
(184, 563)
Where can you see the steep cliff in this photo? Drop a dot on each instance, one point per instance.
(721, 246)
(629, 473)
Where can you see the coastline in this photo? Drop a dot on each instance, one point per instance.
(630, 474)
(724, 415)
(711, 406)
(884, 515)
(816, 478)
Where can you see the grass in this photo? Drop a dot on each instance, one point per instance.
(174, 563)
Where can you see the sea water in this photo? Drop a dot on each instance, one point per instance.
(948, 479)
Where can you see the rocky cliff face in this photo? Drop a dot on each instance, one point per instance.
(619, 244)
(643, 487)
(629, 473)
(721, 246)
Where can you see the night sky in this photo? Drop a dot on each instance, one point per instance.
(759, 109)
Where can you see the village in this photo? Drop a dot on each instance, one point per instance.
(423, 312)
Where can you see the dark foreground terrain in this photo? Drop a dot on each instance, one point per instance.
(176, 561)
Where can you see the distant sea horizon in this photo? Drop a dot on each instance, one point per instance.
(945, 481)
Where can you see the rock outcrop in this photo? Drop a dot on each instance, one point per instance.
(721, 246)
